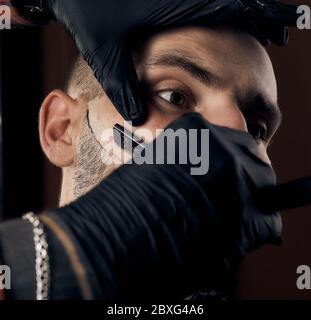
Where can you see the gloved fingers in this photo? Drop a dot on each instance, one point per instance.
(114, 68)
(173, 13)
(269, 20)
(272, 11)
(183, 13)
(286, 196)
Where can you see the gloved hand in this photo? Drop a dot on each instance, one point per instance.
(154, 230)
(237, 174)
(103, 31)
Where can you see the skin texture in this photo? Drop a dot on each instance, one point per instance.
(239, 91)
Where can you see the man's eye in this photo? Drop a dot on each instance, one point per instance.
(173, 97)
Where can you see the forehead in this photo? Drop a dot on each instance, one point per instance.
(234, 55)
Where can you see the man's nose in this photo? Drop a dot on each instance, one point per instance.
(228, 114)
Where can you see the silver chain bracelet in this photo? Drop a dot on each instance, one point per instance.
(42, 258)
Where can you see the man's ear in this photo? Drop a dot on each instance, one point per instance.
(59, 117)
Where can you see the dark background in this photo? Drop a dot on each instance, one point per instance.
(36, 60)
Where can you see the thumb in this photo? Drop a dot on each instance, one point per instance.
(114, 68)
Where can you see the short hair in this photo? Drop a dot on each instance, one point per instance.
(81, 81)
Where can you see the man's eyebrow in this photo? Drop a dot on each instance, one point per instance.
(187, 64)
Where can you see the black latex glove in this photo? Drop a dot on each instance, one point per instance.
(156, 231)
(104, 29)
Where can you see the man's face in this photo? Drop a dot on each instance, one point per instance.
(224, 75)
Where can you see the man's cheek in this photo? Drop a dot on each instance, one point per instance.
(157, 121)
(111, 153)
(263, 153)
